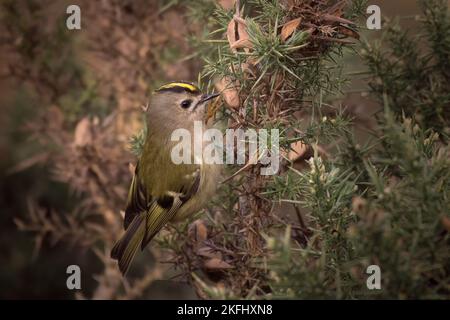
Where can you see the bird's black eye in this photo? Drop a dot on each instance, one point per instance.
(186, 104)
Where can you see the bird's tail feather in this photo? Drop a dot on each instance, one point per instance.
(126, 248)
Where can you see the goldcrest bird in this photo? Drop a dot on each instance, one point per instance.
(162, 191)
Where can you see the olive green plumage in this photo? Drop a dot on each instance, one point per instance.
(162, 191)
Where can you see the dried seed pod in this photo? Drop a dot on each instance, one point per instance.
(229, 91)
(216, 264)
(198, 231)
(289, 27)
(299, 149)
(237, 35)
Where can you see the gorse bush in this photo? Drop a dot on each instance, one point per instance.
(383, 203)
(273, 60)
(413, 71)
(398, 218)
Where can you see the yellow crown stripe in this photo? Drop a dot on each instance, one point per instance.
(187, 86)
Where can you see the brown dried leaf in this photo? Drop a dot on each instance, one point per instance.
(236, 32)
(231, 32)
(242, 43)
(198, 231)
(298, 149)
(229, 92)
(217, 264)
(289, 28)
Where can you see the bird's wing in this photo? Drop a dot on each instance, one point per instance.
(145, 215)
(163, 209)
(136, 201)
(139, 200)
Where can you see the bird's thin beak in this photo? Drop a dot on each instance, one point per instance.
(208, 97)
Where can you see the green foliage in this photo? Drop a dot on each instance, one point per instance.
(275, 77)
(395, 221)
(401, 225)
(414, 70)
(398, 217)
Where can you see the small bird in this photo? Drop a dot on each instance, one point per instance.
(162, 191)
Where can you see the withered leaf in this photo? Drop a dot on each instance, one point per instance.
(289, 28)
(298, 149)
(229, 91)
(199, 231)
(217, 264)
(237, 35)
(242, 43)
